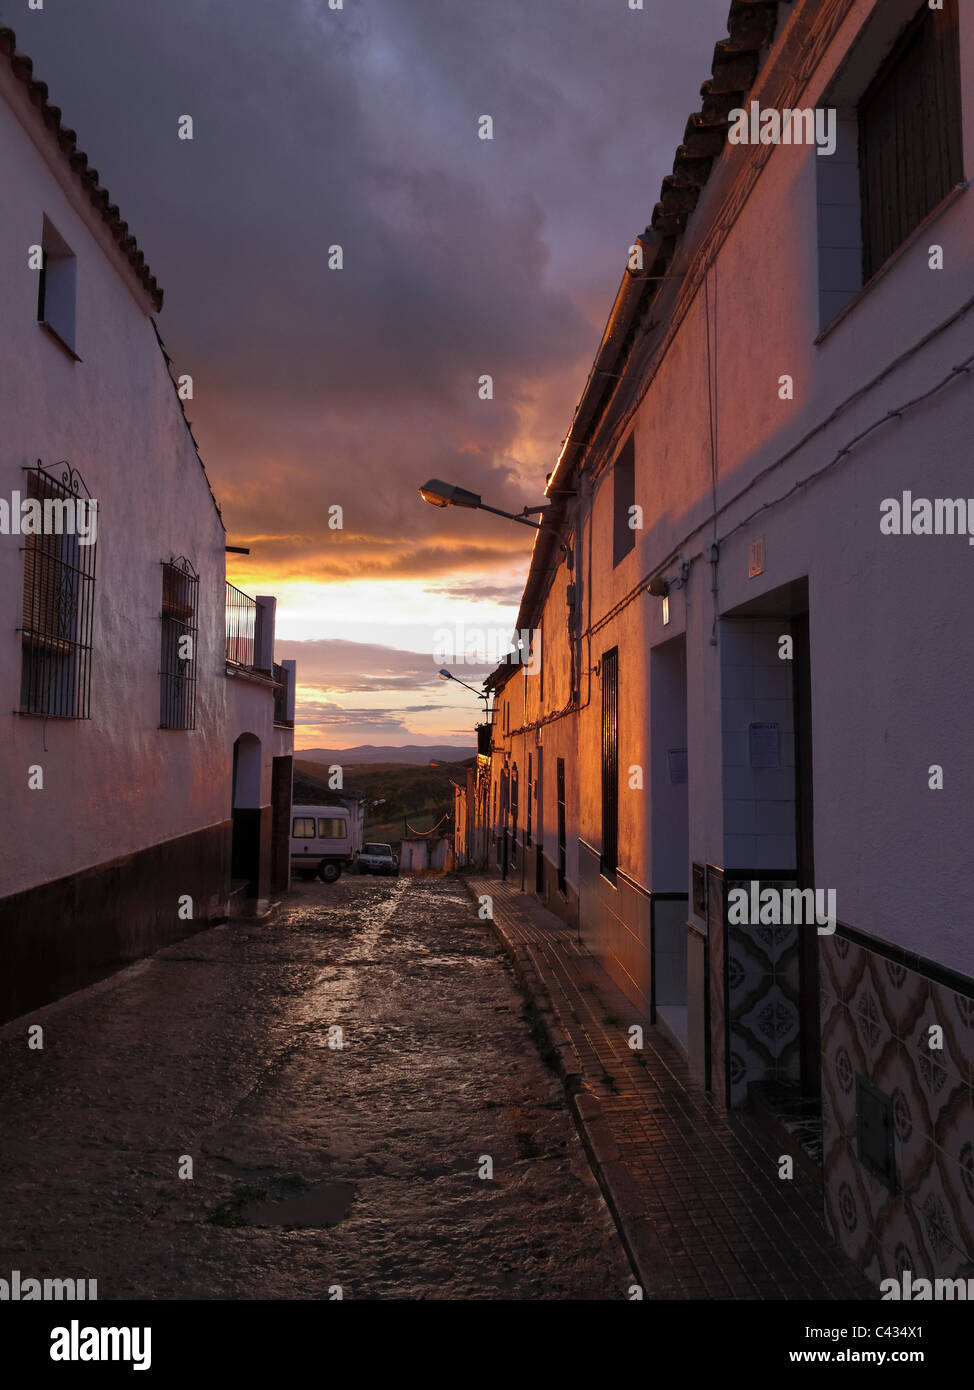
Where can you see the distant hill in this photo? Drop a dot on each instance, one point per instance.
(412, 753)
(393, 792)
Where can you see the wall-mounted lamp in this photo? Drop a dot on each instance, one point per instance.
(440, 494)
(446, 675)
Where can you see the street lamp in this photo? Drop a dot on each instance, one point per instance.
(446, 675)
(440, 494)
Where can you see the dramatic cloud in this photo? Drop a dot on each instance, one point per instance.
(314, 128)
(354, 667)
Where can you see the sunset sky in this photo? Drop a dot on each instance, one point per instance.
(318, 387)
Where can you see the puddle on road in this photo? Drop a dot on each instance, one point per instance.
(326, 1204)
(321, 1204)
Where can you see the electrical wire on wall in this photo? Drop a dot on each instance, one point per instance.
(962, 368)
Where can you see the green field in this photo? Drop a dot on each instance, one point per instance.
(411, 792)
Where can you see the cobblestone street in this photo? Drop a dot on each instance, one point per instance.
(313, 1165)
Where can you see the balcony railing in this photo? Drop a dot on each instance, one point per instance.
(243, 628)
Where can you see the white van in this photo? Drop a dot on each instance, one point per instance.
(324, 840)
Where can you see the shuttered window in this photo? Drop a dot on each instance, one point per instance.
(910, 134)
(610, 762)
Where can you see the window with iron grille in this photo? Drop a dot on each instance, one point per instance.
(527, 828)
(177, 670)
(514, 814)
(910, 133)
(59, 582)
(610, 762)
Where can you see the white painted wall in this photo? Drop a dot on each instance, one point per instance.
(114, 783)
(892, 646)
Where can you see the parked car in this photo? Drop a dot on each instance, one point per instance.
(378, 859)
(324, 840)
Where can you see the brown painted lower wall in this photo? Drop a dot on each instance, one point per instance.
(563, 905)
(67, 934)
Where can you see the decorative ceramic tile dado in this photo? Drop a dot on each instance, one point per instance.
(875, 1023)
(763, 1000)
(866, 1011)
(841, 965)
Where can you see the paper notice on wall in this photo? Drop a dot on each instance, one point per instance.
(764, 745)
(677, 762)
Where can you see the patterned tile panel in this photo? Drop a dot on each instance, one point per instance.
(914, 1040)
(763, 1000)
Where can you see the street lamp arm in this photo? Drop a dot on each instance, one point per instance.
(511, 516)
(440, 494)
(535, 525)
(446, 675)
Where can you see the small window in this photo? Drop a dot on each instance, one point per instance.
(59, 582)
(610, 763)
(910, 134)
(303, 828)
(331, 828)
(177, 670)
(57, 287)
(623, 500)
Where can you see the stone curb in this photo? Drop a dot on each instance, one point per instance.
(615, 1179)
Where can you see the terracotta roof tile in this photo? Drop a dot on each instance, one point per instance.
(736, 63)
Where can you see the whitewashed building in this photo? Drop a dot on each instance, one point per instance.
(146, 732)
(758, 669)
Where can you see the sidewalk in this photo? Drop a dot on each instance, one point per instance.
(695, 1194)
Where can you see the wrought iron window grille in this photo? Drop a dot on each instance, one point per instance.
(58, 600)
(177, 670)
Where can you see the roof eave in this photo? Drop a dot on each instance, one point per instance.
(67, 141)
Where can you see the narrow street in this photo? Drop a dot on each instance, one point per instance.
(314, 1165)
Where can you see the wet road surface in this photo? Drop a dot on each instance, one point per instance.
(339, 1080)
